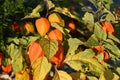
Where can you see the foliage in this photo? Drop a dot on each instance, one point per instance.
(60, 40)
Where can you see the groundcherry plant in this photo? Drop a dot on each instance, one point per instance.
(60, 39)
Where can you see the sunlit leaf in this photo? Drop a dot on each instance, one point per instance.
(22, 75)
(23, 41)
(14, 40)
(50, 4)
(100, 57)
(35, 13)
(111, 36)
(89, 20)
(49, 47)
(107, 3)
(110, 46)
(92, 41)
(17, 59)
(61, 75)
(32, 38)
(73, 45)
(88, 53)
(40, 68)
(92, 78)
(57, 26)
(118, 70)
(99, 33)
(77, 64)
(108, 16)
(66, 12)
(93, 63)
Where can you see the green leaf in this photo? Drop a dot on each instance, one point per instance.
(65, 31)
(40, 68)
(85, 60)
(16, 55)
(92, 41)
(57, 26)
(35, 12)
(49, 47)
(89, 20)
(88, 53)
(14, 40)
(111, 36)
(66, 12)
(32, 38)
(118, 70)
(61, 75)
(107, 3)
(99, 33)
(110, 46)
(108, 75)
(108, 16)
(76, 65)
(50, 4)
(73, 45)
(92, 78)
(100, 57)
(23, 41)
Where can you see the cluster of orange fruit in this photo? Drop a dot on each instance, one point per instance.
(43, 27)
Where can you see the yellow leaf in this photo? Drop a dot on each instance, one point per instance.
(61, 75)
(22, 75)
(40, 68)
(80, 58)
